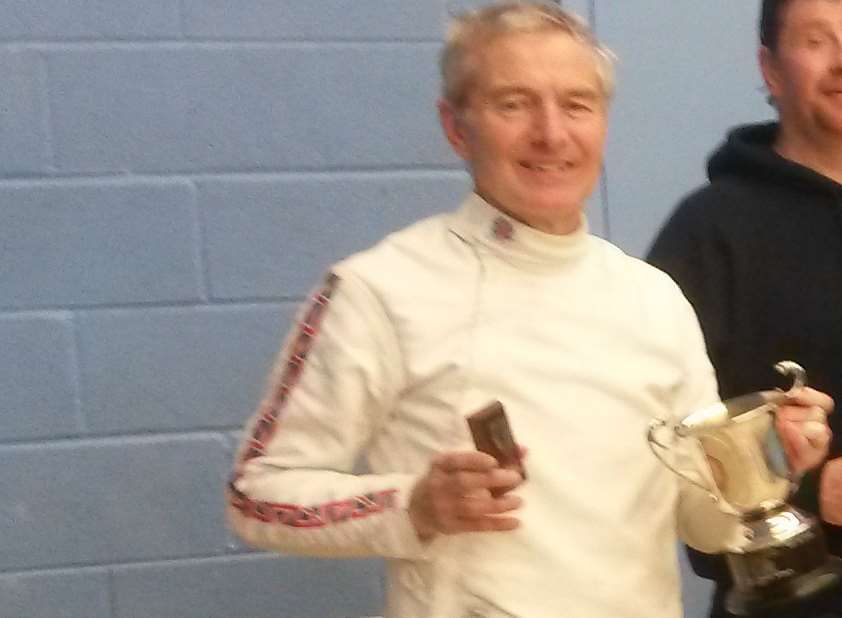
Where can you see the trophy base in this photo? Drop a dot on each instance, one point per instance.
(787, 562)
(751, 602)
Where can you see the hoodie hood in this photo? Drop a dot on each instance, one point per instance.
(748, 152)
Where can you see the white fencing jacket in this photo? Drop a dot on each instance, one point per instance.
(582, 344)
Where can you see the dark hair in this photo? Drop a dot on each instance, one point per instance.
(770, 22)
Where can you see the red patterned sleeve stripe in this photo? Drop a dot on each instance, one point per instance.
(316, 516)
(307, 330)
(294, 515)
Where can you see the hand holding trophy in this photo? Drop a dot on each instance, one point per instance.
(740, 462)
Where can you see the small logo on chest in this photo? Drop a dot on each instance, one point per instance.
(502, 229)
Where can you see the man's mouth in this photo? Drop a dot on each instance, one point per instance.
(547, 167)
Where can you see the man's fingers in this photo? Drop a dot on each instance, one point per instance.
(463, 483)
(792, 438)
(468, 512)
(801, 413)
(461, 473)
(801, 426)
(816, 432)
(503, 479)
(466, 461)
(810, 421)
(496, 524)
(485, 524)
(805, 442)
(466, 491)
(809, 397)
(469, 461)
(482, 503)
(830, 492)
(484, 513)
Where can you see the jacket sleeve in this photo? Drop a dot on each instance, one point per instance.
(293, 487)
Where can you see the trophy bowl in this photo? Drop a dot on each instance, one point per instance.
(782, 556)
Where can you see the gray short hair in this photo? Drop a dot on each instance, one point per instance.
(471, 29)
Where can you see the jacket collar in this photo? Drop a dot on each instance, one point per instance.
(482, 225)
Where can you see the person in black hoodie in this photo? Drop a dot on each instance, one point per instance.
(758, 250)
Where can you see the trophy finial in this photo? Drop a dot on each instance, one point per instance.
(791, 368)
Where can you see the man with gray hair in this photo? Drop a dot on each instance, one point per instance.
(508, 299)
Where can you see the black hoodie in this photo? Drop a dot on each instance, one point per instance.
(758, 252)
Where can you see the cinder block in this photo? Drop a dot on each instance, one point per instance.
(171, 369)
(88, 19)
(580, 7)
(23, 109)
(110, 501)
(37, 368)
(667, 117)
(259, 108)
(89, 243)
(233, 543)
(276, 237)
(250, 586)
(59, 594)
(327, 19)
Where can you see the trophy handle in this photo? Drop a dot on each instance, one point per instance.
(791, 368)
(773, 448)
(652, 439)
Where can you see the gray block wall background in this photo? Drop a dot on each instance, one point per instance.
(174, 176)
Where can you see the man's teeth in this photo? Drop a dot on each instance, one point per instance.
(544, 167)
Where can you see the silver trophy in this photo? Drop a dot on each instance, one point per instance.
(780, 554)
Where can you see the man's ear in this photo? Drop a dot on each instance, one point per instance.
(453, 125)
(770, 70)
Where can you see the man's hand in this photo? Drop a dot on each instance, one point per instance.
(802, 424)
(830, 492)
(455, 496)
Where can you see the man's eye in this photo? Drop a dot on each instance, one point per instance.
(814, 41)
(578, 108)
(513, 105)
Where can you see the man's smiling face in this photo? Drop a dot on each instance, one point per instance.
(532, 130)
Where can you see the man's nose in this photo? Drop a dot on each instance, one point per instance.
(550, 125)
(837, 52)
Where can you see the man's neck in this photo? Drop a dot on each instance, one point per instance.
(822, 155)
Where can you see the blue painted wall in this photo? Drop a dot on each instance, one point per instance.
(174, 175)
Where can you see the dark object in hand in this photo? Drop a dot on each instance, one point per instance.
(492, 434)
